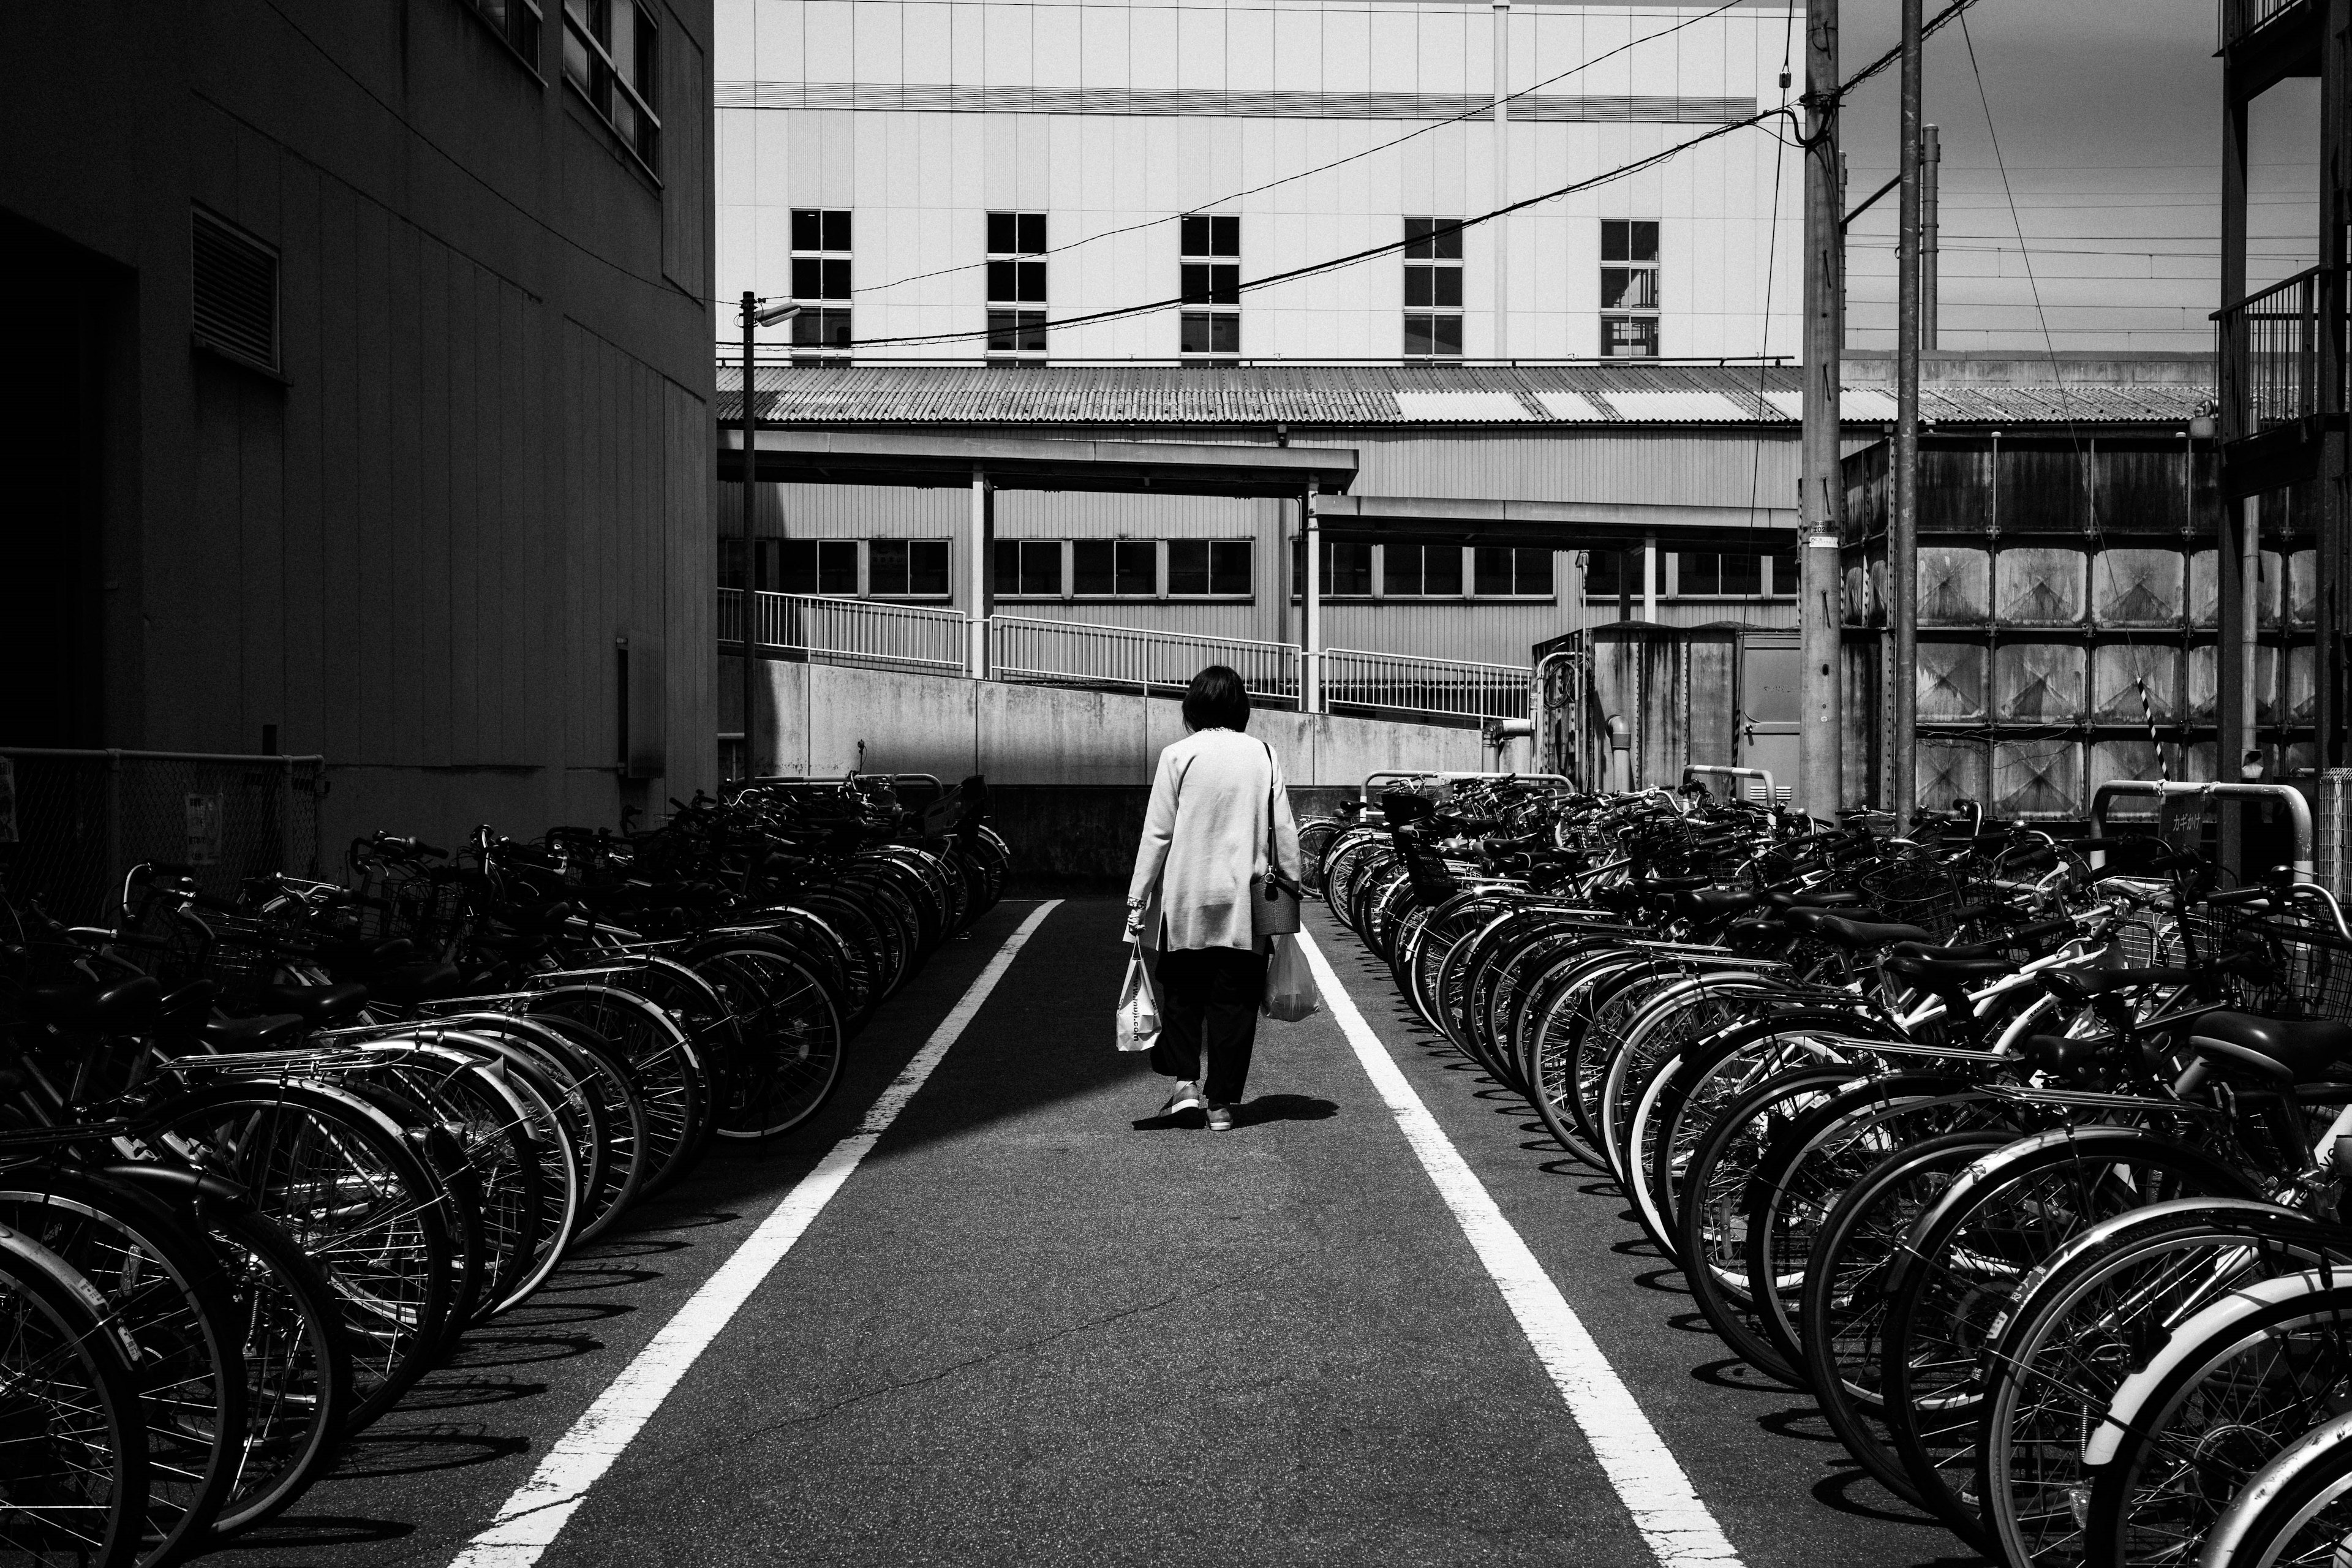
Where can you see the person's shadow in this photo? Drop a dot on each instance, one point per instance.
(1250, 1114)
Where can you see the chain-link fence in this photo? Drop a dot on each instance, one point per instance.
(71, 823)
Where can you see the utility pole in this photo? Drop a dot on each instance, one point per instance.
(745, 600)
(1931, 202)
(1820, 765)
(1902, 531)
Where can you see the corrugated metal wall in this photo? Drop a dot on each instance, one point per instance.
(1702, 468)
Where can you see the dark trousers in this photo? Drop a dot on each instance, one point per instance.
(1208, 1017)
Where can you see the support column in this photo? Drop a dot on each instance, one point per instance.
(1650, 579)
(1821, 763)
(1902, 531)
(1931, 226)
(1311, 618)
(981, 548)
(2327, 665)
(2233, 716)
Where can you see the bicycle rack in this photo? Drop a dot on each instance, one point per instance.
(2298, 809)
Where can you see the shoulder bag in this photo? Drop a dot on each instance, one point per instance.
(1275, 912)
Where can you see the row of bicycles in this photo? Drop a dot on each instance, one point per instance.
(266, 1156)
(2025, 1157)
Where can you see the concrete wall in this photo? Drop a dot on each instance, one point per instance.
(485, 457)
(820, 720)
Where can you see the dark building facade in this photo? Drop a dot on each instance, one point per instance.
(361, 397)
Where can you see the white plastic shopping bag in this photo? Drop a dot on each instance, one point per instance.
(1138, 1005)
(1290, 993)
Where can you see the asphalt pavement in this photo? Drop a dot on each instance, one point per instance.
(1040, 1325)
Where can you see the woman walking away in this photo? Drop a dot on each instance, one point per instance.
(1218, 797)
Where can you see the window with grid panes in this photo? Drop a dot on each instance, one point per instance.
(1504, 572)
(1347, 570)
(1421, 570)
(1607, 573)
(1208, 568)
(1016, 283)
(1029, 568)
(817, 566)
(907, 569)
(1211, 277)
(1629, 288)
(1114, 568)
(1732, 574)
(821, 282)
(1432, 288)
(516, 21)
(612, 57)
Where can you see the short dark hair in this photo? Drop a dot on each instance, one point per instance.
(1215, 700)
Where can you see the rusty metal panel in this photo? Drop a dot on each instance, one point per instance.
(2038, 682)
(1949, 768)
(2266, 685)
(2137, 587)
(1860, 677)
(2118, 673)
(2204, 590)
(2121, 759)
(1955, 587)
(2301, 700)
(2302, 590)
(2196, 761)
(2037, 778)
(2140, 491)
(2038, 587)
(1951, 682)
(1859, 610)
(2202, 688)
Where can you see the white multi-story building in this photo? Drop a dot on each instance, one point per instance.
(970, 179)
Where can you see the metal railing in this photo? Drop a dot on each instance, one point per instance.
(2239, 17)
(1082, 653)
(1356, 677)
(849, 631)
(2268, 346)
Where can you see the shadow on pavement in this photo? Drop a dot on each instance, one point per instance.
(1255, 1112)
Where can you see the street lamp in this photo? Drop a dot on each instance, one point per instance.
(755, 314)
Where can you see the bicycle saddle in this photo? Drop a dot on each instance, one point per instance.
(316, 1005)
(1718, 904)
(2080, 986)
(2058, 1055)
(1943, 973)
(2296, 1051)
(1840, 932)
(124, 1007)
(1836, 899)
(260, 1033)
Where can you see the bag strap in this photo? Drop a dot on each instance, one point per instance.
(1272, 859)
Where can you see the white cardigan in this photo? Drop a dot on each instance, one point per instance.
(1205, 838)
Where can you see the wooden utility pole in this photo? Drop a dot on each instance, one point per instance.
(1902, 531)
(1820, 762)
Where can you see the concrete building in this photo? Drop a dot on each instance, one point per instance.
(361, 398)
(963, 179)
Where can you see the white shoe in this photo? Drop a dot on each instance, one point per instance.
(1186, 1098)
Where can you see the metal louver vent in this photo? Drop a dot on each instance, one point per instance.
(235, 294)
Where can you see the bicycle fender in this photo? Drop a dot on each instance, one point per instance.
(2130, 1401)
(2222, 1541)
(2055, 1143)
(180, 1185)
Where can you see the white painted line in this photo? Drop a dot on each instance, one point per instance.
(1665, 1510)
(530, 1521)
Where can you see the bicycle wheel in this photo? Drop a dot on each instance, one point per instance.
(1842, 1313)
(2100, 1306)
(792, 1033)
(1961, 1265)
(667, 1074)
(2296, 1512)
(73, 1444)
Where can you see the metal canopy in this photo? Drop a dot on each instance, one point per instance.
(1553, 525)
(1015, 463)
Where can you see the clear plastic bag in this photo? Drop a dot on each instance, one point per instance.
(1290, 993)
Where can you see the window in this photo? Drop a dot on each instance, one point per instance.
(1629, 288)
(1208, 568)
(234, 299)
(516, 21)
(1210, 273)
(907, 569)
(821, 283)
(1421, 570)
(1016, 285)
(1500, 571)
(1029, 568)
(1114, 568)
(1610, 574)
(1732, 574)
(1432, 288)
(817, 566)
(1347, 570)
(612, 49)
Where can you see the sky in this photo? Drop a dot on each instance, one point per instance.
(2107, 115)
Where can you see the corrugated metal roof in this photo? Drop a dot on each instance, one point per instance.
(1591, 393)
